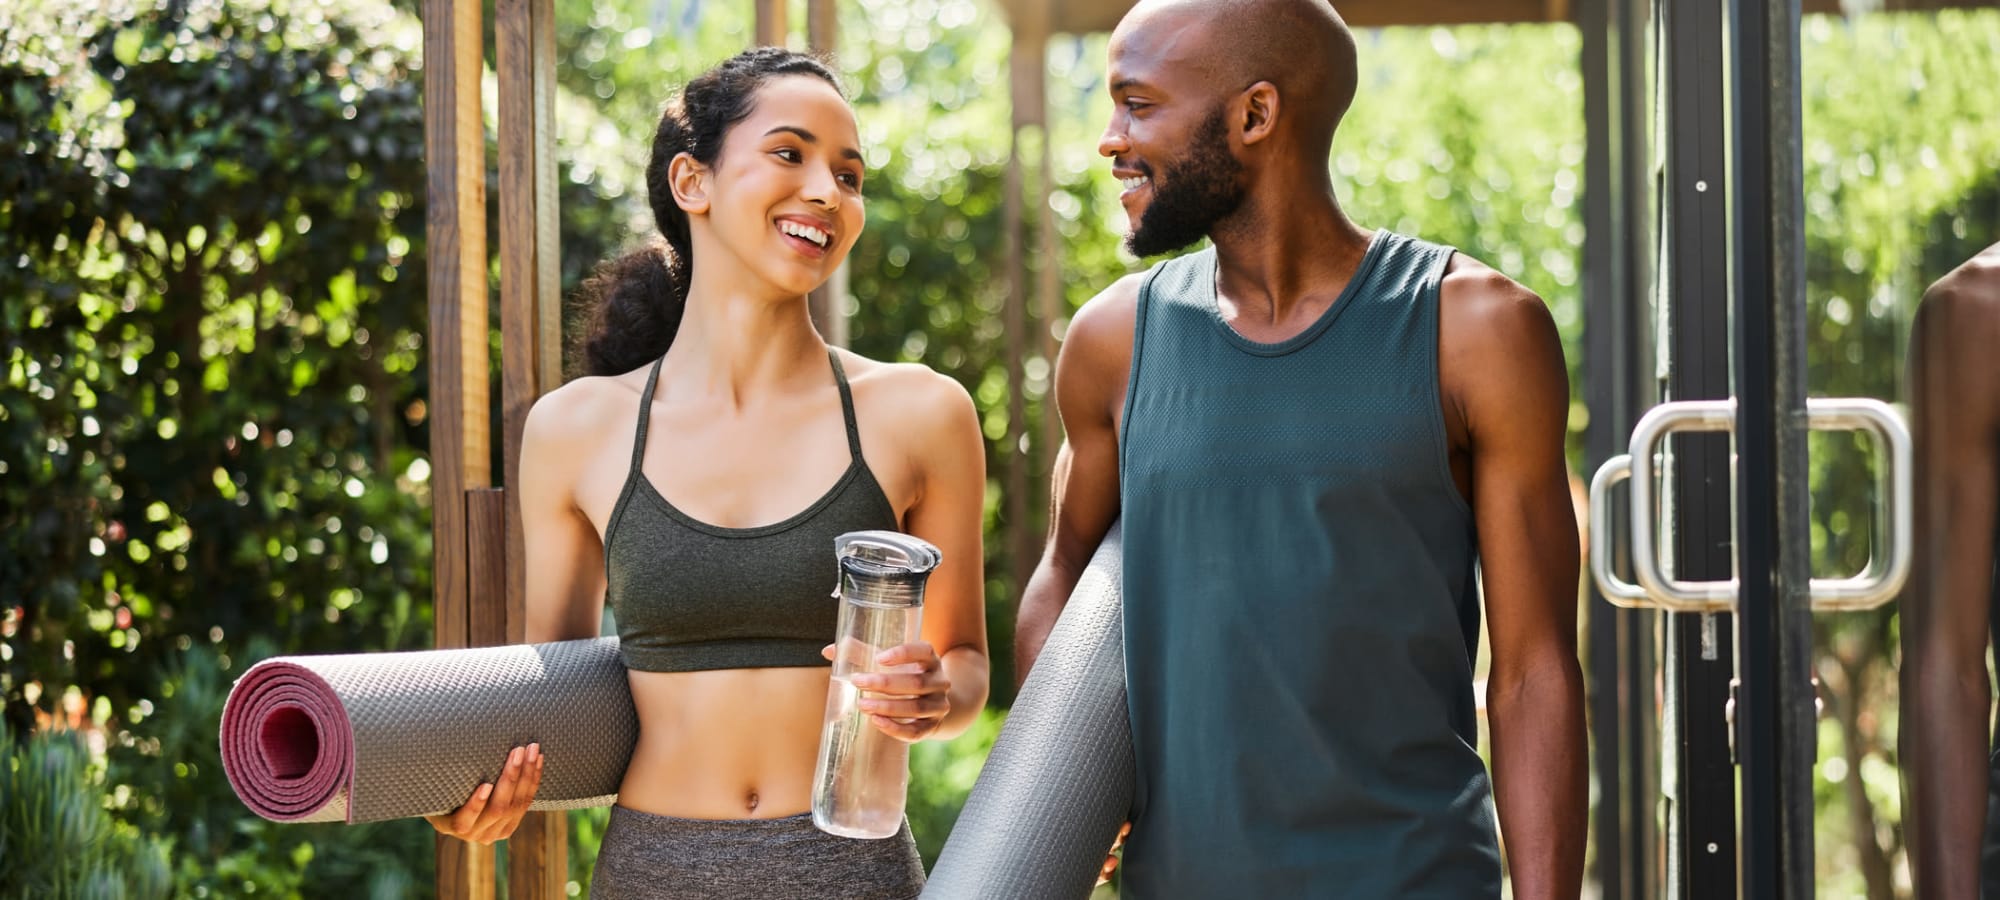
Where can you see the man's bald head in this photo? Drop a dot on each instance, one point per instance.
(1300, 46)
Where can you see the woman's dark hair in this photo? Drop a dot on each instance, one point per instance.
(634, 303)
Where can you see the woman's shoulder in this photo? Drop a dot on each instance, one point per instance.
(584, 409)
(913, 398)
(903, 383)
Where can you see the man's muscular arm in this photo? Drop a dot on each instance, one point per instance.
(1503, 367)
(1956, 394)
(1090, 378)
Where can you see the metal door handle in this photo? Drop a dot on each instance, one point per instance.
(1889, 564)
(1672, 594)
(1616, 590)
(1887, 569)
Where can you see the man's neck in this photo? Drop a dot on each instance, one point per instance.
(1281, 253)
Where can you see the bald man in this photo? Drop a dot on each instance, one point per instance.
(1952, 784)
(1312, 431)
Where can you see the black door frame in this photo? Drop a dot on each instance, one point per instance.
(1727, 223)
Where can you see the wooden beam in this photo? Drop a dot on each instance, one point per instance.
(538, 851)
(1086, 16)
(772, 23)
(530, 274)
(1050, 307)
(531, 365)
(1834, 6)
(1023, 542)
(538, 857)
(454, 144)
(455, 235)
(828, 302)
(463, 870)
(822, 25)
(486, 564)
(1384, 13)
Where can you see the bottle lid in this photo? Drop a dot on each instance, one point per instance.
(886, 552)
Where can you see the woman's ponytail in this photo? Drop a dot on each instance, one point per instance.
(634, 304)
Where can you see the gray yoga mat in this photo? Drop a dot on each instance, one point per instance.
(1059, 781)
(373, 736)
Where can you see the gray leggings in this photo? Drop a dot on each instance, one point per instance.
(652, 857)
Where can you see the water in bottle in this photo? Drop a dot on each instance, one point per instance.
(862, 776)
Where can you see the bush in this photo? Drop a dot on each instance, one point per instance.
(56, 838)
(214, 427)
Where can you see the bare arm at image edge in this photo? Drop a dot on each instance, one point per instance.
(1945, 611)
(1091, 370)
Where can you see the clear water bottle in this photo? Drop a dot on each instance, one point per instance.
(863, 775)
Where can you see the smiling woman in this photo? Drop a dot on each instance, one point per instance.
(637, 301)
(752, 446)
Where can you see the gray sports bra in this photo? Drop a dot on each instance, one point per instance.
(691, 596)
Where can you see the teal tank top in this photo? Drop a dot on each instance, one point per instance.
(1300, 616)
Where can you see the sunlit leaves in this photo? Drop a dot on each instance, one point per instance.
(168, 308)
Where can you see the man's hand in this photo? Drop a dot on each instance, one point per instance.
(1111, 859)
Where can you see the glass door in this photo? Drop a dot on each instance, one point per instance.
(1797, 184)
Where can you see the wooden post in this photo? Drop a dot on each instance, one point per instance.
(531, 365)
(456, 235)
(828, 302)
(485, 563)
(1024, 542)
(772, 24)
(455, 157)
(822, 25)
(530, 322)
(1050, 303)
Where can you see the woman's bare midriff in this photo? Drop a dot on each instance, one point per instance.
(726, 743)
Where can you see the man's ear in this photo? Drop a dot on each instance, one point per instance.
(1260, 112)
(689, 179)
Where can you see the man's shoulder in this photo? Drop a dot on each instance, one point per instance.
(1972, 289)
(1498, 347)
(1106, 322)
(1479, 298)
(1957, 325)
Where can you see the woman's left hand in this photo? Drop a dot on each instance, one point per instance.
(908, 701)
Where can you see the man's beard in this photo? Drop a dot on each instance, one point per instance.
(1197, 191)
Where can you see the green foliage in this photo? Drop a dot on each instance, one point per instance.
(249, 241)
(56, 839)
(212, 323)
(212, 345)
(586, 835)
(941, 775)
(167, 780)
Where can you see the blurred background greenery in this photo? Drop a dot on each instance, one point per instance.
(213, 433)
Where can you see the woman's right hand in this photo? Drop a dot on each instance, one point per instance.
(495, 810)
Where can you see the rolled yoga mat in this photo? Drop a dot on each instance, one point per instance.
(1059, 781)
(372, 736)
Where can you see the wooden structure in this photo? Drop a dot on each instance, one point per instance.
(479, 583)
